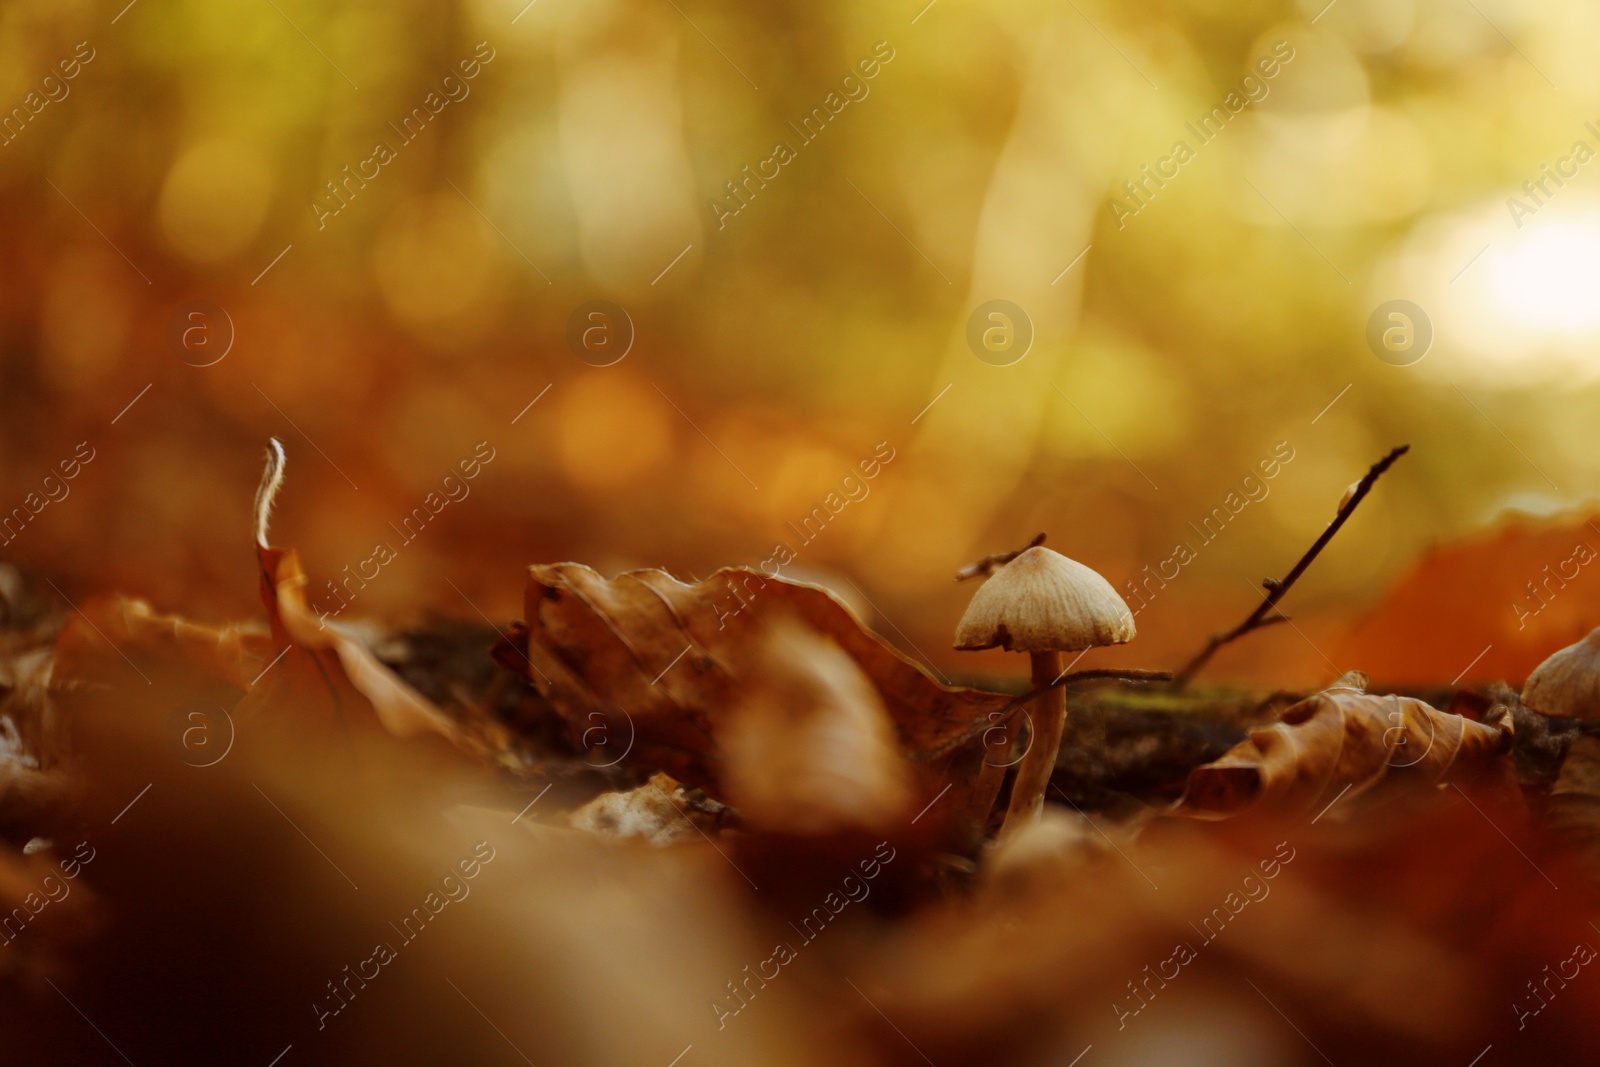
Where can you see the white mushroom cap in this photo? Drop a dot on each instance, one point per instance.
(1044, 602)
(1567, 685)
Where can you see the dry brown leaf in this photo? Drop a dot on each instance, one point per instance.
(808, 748)
(301, 660)
(340, 650)
(654, 666)
(401, 709)
(1339, 740)
(237, 653)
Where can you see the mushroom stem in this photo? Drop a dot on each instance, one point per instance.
(1044, 742)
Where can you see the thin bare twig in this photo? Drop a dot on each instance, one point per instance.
(989, 564)
(1277, 587)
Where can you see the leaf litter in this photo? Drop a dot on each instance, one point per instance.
(691, 782)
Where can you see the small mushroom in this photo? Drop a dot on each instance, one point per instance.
(1567, 685)
(1044, 604)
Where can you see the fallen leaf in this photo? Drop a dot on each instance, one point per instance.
(236, 653)
(654, 666)
(808, 747)
(1342, 740)
(401, 709)
(1490, 606)
(342, 650)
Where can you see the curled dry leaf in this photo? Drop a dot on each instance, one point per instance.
(340, 650)
(300, 660)
(657, 665)
(1338, 740)
(401, 709)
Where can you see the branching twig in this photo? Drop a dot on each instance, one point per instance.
(1277, 587)
(988, 564)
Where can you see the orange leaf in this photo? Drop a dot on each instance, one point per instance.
(1490, 606)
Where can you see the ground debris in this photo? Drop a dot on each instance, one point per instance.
(661, 812)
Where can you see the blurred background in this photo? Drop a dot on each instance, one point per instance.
(377, 231)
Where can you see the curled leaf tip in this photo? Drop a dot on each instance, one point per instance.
(267, 491)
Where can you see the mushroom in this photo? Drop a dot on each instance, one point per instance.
(1567, 685)
(1044, 604)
